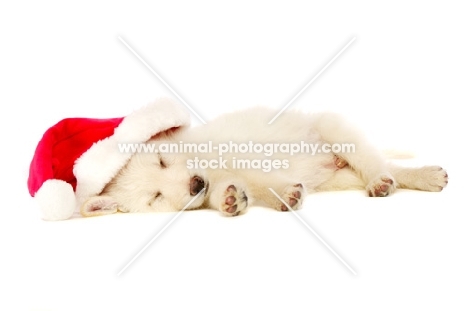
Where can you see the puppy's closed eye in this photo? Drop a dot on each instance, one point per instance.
(162, 162)
(157, 196)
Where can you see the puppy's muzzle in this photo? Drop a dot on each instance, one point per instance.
(196, 185)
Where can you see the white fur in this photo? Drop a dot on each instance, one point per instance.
(97, 166)
(147, 185)
(63, 204)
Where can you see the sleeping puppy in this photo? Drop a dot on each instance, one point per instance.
(250, 161)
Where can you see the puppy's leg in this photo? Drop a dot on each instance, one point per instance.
(291, 192)
(344, 179)
(227, 193)
(426, 178)
(366, 160)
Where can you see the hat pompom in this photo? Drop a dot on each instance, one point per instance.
(56, 200)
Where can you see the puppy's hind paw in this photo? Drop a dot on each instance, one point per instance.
(381, 186)
(431, 178)
(293, 196)
(234, 201)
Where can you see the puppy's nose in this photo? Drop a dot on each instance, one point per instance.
(196, 185)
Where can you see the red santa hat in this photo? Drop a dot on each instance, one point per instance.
(77, 157)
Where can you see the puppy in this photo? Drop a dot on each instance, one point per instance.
(231, 179)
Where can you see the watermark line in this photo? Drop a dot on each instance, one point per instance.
(161, 79)
(234, 148)
(314, 233)
(159, 233)
(311, 81)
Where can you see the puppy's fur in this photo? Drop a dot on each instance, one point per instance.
(162, 182)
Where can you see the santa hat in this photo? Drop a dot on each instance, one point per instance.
(77, 157)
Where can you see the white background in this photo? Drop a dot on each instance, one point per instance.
(404, 80)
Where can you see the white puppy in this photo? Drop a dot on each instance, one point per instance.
(168, 181)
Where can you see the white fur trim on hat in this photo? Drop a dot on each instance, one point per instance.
(100, 163)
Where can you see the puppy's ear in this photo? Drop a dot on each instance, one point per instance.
(98, 206)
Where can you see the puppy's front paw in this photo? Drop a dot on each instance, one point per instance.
(381, 186)
(234, 201)
(293, 196)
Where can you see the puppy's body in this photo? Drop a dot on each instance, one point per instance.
(162, 182)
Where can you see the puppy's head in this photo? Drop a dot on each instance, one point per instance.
(151, 182)
(160, 182)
